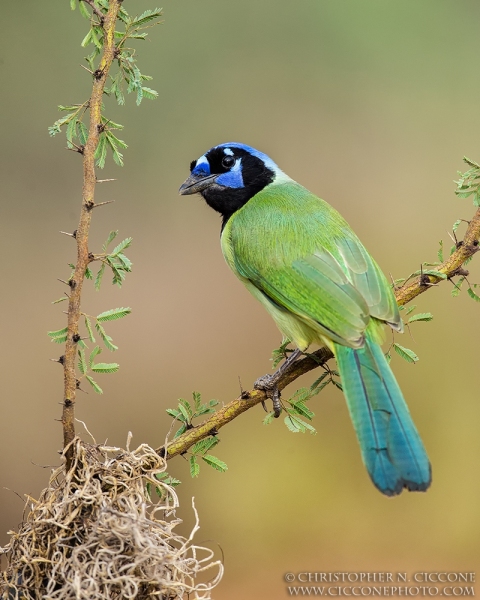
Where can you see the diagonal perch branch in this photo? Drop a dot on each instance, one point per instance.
(408, 291)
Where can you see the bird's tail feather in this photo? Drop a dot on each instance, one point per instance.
(391, 446)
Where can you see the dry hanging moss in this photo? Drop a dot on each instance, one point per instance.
(98, 532)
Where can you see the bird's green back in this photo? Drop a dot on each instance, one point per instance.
(301, 256)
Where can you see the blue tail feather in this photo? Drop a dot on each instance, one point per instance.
(391, 447)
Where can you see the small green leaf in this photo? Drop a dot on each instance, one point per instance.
(73, 4)
(302, 409)
(473, 295)
(58, 333)
(82, 363)
(94, 384)
(113, 314)
(440, 251)
(185, 408)
(410, 309)
(121, 246)
(87, 39)
(101, 151)
(105, 367)
(421, 317)
(98, 279)
(167, 479)
(456, 224)
(205, 445)
(297, 425)
(215, 462)
(62, 299)
(88, 326)
(97, 36)
(149, 93)
(388, 356)
(194, 467)
(88, 273)
(83, 10)
(147, 17)
(111, 236)
(280, 353)
(457, 286)
(82, 133)
(405, 353)
(107, 340)
(56, 127)
(176, 414)
(95, 352)
(178, 433)
(318, 381)
(269, 418)
(197, 400)
(71, 130)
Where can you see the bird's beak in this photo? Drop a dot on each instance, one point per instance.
(196, 183)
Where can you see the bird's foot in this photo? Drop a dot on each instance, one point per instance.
(268, 384)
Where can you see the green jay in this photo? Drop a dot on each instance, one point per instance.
(303, 262)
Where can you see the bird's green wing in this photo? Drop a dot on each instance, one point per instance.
(316, 289)
(368, 279)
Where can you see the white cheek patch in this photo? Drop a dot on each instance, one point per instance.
(202, 161)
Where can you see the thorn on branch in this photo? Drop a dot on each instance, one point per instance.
(59, 360)
(79, 149)
(74, 234)
(103, 203)
(105, 180)
(213, 431)
(87, 69)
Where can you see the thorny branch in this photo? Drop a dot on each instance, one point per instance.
(451, 267)
(88, 203)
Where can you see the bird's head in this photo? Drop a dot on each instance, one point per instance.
(227, 176)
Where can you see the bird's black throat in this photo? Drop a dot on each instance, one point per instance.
(226, 200)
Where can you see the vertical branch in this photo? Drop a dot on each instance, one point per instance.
(88, 203)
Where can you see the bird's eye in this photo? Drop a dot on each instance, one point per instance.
(192, 165)
(228, 161)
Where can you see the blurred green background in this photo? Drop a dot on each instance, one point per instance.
(372, 106)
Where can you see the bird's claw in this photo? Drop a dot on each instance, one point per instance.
(268, 385)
